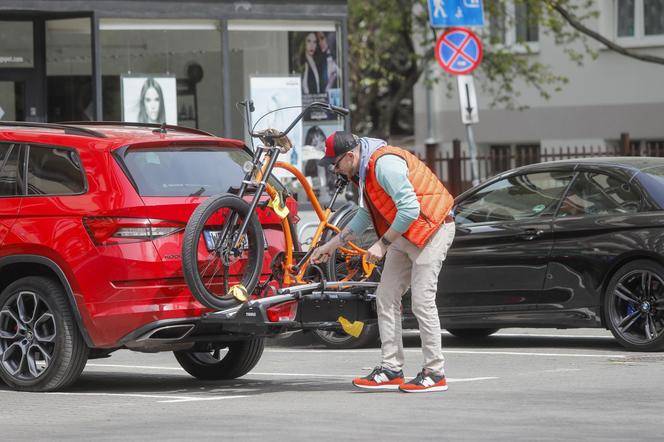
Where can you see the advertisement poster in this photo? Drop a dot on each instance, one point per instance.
(313, 150)
(270, 94)
(149, 99)
(313, 57)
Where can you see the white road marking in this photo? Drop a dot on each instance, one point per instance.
(150, 396)
(145, 367)
(538, 335)
(300, 375)
(479, 352)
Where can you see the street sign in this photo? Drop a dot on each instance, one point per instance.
(459, 51)
(445, 13)
(468, 99)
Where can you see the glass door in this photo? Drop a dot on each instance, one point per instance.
(12, 101)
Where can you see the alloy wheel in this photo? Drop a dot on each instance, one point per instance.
(636, 309)
(27, 336)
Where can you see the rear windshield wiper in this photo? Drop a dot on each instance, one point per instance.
(199, 192)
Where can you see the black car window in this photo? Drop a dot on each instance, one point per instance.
(9, 170)
(187, 171)
(594, 193)
(513, 198)
(54, 171)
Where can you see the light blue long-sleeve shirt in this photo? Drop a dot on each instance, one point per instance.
(392, 175)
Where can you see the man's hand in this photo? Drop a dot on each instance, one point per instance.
(376, 252)
(322, 253)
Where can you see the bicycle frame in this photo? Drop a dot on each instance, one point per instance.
(294, 273)
(264, 161)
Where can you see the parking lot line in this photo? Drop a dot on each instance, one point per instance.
(478, 352)
(300, 375)
(165, 398)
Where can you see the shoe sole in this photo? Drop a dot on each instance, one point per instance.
(425, 390)
(389, 387)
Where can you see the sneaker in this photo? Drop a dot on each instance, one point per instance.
(380, 379)
(425, 381)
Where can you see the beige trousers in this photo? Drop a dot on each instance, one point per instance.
(406, 265)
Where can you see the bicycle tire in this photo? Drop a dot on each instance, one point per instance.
(212, 214)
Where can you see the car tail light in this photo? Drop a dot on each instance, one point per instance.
(110, 230)
(285, 311)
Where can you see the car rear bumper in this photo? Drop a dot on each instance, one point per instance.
(318, 308)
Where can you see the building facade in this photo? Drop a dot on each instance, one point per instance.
(605, 97)
(179, 62)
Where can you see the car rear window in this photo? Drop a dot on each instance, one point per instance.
(186, 171)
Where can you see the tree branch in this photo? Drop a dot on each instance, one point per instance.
(600, 38)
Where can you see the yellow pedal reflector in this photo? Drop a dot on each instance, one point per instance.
(275, 203)
(239, 292)
(352, 328)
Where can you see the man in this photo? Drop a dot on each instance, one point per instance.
(410, 211)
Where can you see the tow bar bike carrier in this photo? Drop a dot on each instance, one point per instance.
(317, 304)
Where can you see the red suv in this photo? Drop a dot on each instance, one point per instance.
(91, 226)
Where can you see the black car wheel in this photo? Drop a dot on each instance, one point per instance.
(634, 306)
(221, 364)
(472, 333)
(342, 340)
(41, 348)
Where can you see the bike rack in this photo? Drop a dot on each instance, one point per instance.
(250, 318)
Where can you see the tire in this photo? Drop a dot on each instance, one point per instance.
(337, 268)
(634, 306)
(41, 348)
(216, 365)
(211, 288)
(472, 333)
(340, 340)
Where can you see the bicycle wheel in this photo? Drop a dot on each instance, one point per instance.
(211, 261)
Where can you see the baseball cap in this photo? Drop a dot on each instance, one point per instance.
(336, 145)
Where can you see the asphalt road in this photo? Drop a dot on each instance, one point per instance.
(518, 385)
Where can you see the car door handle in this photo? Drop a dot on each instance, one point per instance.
(530, 234)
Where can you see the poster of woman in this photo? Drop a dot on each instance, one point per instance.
(313, 57)
(149, 99)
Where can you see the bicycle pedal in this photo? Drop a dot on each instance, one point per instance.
(352, 328)
(239, 292)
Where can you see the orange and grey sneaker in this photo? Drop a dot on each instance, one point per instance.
(380, 379)
(425, 381)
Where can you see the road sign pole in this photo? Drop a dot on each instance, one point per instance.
(473, 155)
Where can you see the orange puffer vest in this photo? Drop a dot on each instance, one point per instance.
(435, 201)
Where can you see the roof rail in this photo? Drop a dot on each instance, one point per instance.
(71, 130)
(157, 127)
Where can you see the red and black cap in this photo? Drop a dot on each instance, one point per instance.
(336, 145)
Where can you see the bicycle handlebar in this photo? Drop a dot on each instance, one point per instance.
(336, 109)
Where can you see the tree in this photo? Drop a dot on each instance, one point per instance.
(391, 45)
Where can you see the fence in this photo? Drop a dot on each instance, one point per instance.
(454, 169)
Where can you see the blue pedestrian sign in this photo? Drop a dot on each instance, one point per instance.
(446, 13)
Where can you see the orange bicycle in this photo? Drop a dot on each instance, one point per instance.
(223, 244)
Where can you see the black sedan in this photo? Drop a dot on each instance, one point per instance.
(572, 243)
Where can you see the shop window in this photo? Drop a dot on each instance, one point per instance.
(163, 71)
(69, 70)
(282, 64)
(16, 44)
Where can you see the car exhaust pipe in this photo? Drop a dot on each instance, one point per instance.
(168, 333)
